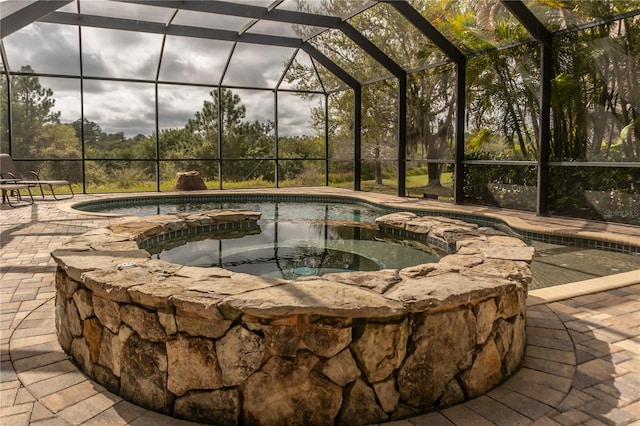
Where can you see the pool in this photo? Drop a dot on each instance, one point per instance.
(294, 239)
(311, 350)
(558, 260)
(286, 209)
(287, 249)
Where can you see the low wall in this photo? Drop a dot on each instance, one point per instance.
(214, 346)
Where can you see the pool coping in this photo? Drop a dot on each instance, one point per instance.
(517, 220)
(283, 328)
(32, 317)
(581, 288)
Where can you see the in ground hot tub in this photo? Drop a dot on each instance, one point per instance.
(223, 347)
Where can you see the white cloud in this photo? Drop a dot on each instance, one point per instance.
(122, 54)
(47, 48)
(130, 107)
(127, 107)
(257, 66)
(259, 104)
(178, 104)
(294, 114)
(66, 93)
(192, 60)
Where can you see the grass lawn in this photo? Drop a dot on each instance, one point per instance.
(415, 184)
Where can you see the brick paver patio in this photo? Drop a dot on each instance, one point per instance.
(581, 366)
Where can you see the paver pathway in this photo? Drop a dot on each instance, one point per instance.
(581, 366)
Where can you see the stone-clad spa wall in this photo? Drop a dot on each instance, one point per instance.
(219, 347)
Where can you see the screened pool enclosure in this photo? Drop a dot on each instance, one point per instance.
(531, 105)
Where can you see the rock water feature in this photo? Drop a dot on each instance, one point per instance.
(225, 348)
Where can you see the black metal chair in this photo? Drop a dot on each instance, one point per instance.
(8, 170)
(11, 189)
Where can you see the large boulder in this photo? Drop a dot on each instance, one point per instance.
(189, 181)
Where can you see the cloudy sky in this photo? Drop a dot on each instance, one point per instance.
(129, 107)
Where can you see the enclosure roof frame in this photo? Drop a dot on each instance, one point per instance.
(11, 22)
(14, 18)
(245, 11)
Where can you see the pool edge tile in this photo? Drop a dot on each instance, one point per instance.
(580, 288)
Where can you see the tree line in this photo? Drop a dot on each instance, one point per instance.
(38, 133)
(595, 89)
(595, 98)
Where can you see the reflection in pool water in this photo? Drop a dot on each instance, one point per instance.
(289, 249)
(286, 210)
(554, 264)
(291, 262)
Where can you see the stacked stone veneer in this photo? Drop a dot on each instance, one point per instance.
(219, 347)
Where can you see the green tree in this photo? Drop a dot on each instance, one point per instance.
(178, 144)
(240, 139)
(59, 141)
(92, 131)
(203, 130)
(298, 148)
(4, 114)
(31, 108)
(430, 100)
(596, 91)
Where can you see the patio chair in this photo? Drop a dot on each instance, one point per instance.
(8, 170)
(10, 190)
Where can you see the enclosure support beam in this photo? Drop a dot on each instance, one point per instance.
(545, 38)
(330, 65)
(10, 115)
(398, 72)
(449, 49)
(544, 152)
(157, 153)
(245, 11)
(14, 20)
(220, 123)
(357, 108)
(428, 30)
(326, 139)
(357, 138)
(5, 64)
(172, 29)
(276, 136)
(528, 20)
(82, 117)
(157, 106)
(402, 136)
(458, 172)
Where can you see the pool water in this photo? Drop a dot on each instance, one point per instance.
(556, 264)
(295, 239)
(288, 248)
(269, 209)
(293, 248)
